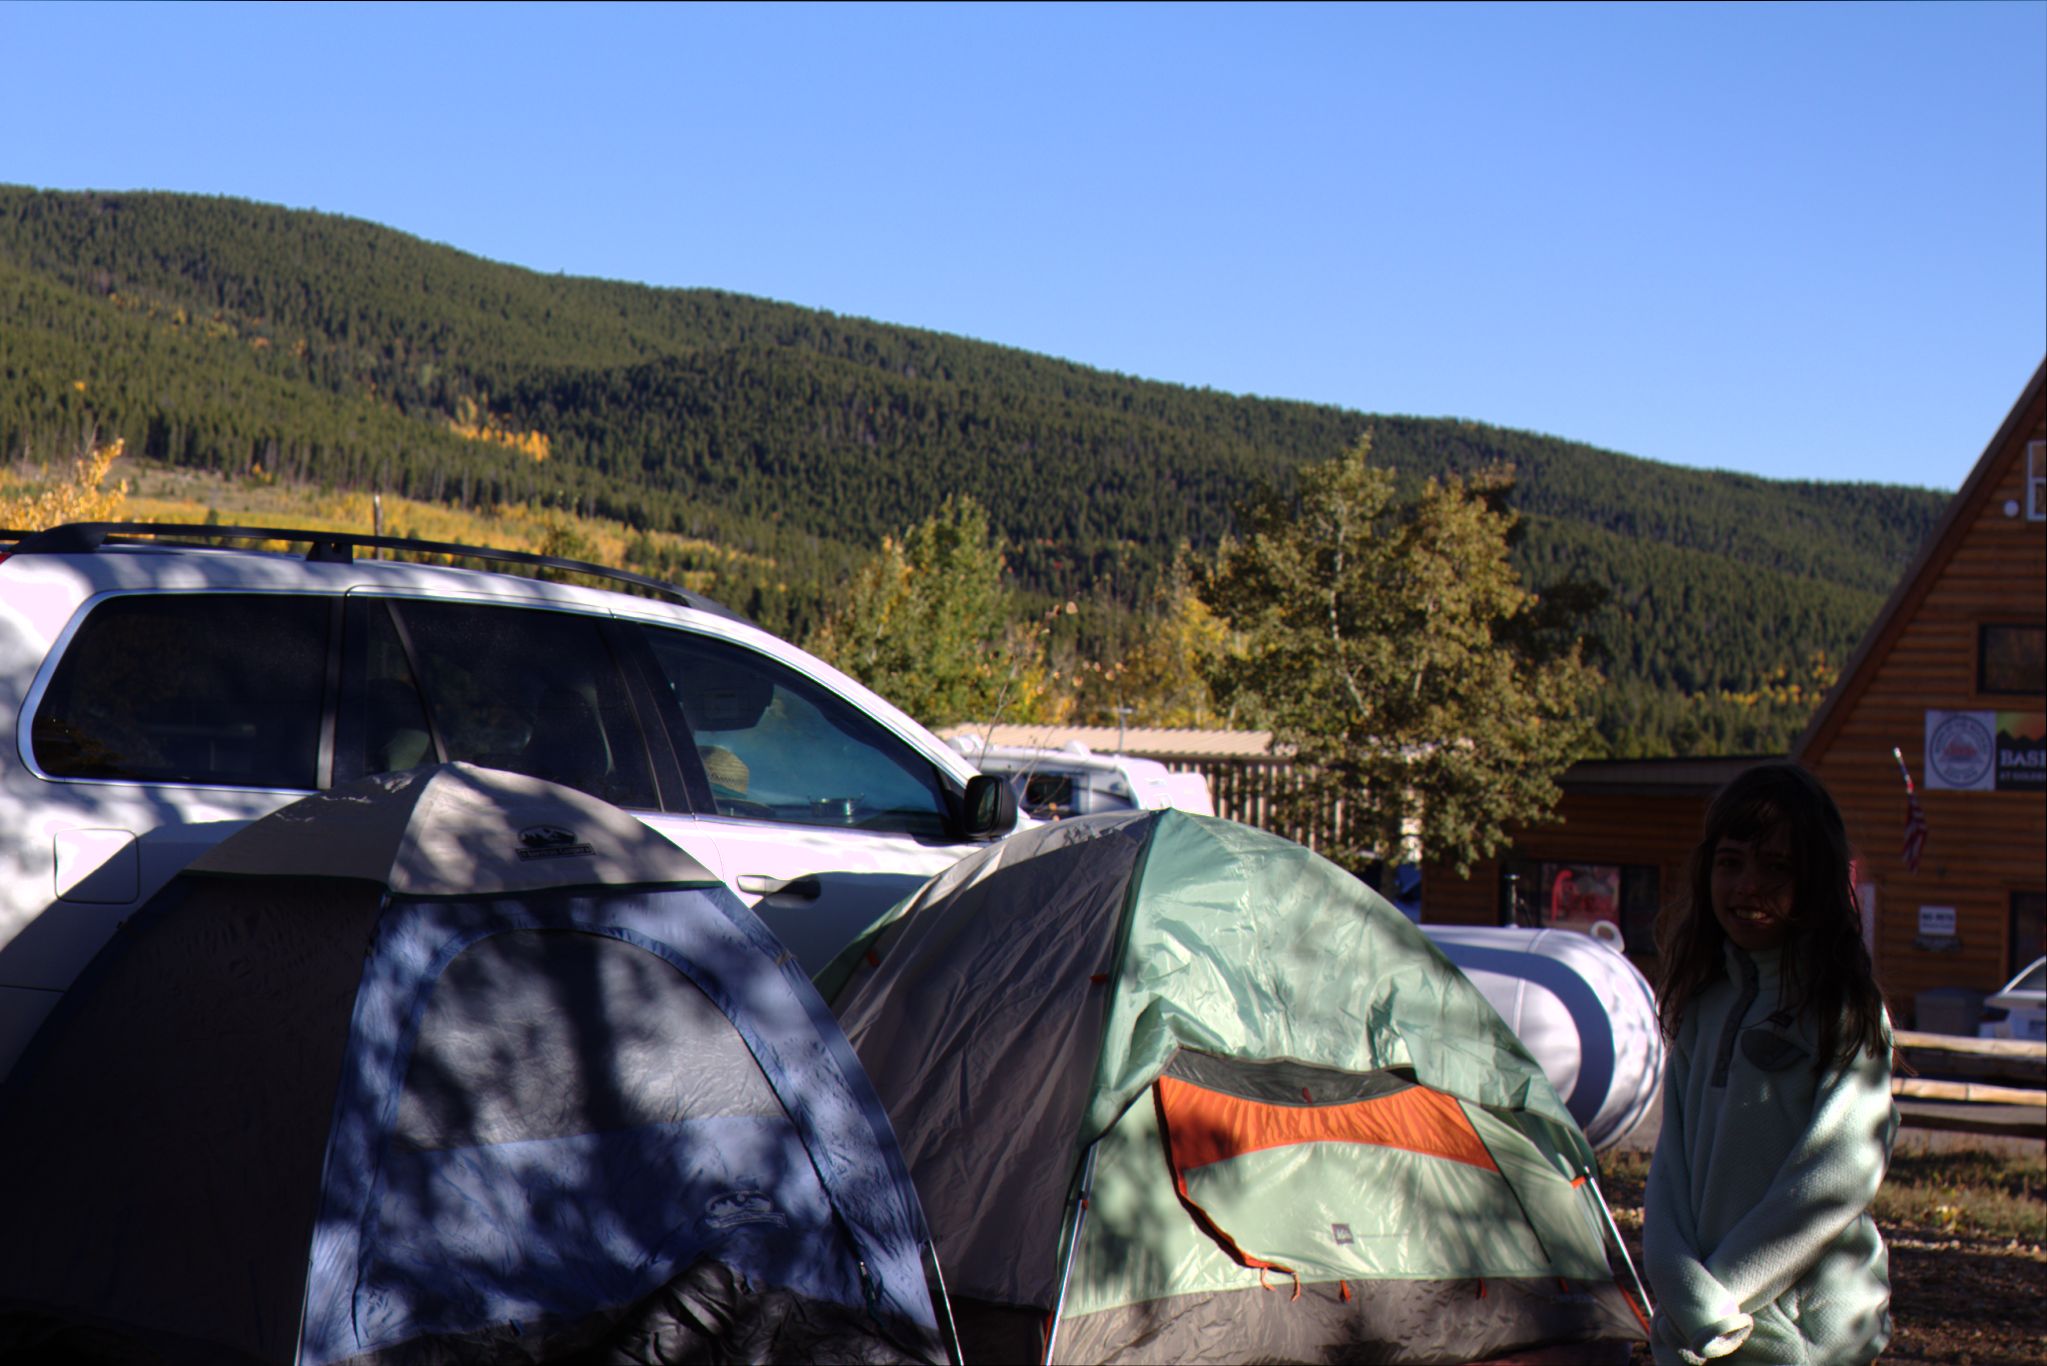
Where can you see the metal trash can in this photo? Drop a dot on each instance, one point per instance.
(1949, 1010)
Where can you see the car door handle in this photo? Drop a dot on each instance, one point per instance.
(800, 888)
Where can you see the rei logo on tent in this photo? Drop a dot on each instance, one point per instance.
(551, 841)
(736, 1207)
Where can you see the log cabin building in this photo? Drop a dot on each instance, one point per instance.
(1617, 854)
(1950, 674)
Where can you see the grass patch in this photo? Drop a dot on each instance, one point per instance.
(1965, 1194)
(1968, 1194)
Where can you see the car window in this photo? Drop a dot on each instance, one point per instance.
(382, 725)
(515, 688)
(1046, 796)
(777, 746)
(222, 688)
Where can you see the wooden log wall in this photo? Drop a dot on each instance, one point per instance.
(1627, 828)
(1982, 846)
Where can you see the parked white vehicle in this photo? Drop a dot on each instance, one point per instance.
(161, 696)
(1074, 780)
(2024, 1002)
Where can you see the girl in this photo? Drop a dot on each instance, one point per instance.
(1777, 1113)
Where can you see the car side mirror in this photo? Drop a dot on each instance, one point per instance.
(990, 807)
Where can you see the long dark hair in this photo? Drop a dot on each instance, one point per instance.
(1826, 968)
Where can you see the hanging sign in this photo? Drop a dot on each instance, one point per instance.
(1961, 751)
(1986, 751)
(1937, 930)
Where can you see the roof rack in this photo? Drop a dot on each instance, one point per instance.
(328, 547)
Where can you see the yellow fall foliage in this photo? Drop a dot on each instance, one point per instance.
(1786, 686)
(190, 496)
(476, 422)
(83, 497)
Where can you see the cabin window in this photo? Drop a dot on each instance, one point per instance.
(2036, 481)
(2028, 938)
(1583, 894)
(2011, 658)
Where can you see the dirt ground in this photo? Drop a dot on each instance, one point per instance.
(1968, 1303)
(1957, 1298)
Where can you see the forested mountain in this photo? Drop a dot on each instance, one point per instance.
(239, 337)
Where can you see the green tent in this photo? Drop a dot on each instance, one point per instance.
(1174, 1089)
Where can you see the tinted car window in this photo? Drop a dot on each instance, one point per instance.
(525, 690)
(221, 688)
(776, 746)
(1048, 796)
(381, 725)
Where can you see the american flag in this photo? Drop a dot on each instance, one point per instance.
(1915, 819)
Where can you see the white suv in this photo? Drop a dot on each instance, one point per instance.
(163, 695)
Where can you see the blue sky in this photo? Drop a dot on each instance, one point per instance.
(1804, 241)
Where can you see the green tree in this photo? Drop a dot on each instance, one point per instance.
(929, 623)
(219, 335)
(1161, 677)
(1377, 638)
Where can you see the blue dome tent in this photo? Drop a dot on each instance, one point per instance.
(452, 1065)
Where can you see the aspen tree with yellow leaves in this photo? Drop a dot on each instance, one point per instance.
(478, 423)
(84, 496)
(1161, 678)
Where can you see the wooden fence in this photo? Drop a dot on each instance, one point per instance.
(1992, 1086)
(1254, 791)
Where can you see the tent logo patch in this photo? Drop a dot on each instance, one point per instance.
(737, 1207)
(551, 841)
(1342, 1234)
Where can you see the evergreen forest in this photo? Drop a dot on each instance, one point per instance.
(777, 445)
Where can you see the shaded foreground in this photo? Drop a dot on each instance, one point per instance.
(1967, 1230)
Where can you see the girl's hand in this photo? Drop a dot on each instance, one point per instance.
(1724, 1339)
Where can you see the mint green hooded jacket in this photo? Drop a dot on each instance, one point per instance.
(1758, 1240)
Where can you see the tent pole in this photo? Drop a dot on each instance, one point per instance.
(1613, 1232)
(936, 1278)
(1075, 1222)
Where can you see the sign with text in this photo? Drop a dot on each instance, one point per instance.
(2022, 751)
(1961, 751)
(1937, 930)
(1986, 751)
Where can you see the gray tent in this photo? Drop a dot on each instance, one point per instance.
(1174, 1089)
